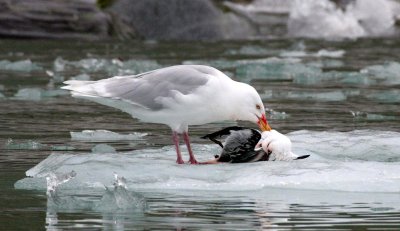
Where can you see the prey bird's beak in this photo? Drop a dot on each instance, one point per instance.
(263, 124)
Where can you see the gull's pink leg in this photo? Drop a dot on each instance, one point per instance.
(175, 138)
(192, 159)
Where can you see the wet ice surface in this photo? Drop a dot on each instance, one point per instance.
(348, 172)
(359, 161)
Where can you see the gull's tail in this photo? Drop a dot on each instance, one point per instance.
(96, 91)
(80, 89)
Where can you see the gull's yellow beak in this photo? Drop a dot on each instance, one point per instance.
(263, 124)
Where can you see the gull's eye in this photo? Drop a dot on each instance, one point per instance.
(258, 106)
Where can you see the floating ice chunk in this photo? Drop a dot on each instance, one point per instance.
(30, 145)
(219, 64)
(387, 74)
(358, 115)
(34, 94)
(53, 180)
(105, 135)
(278, 71)
(92, 64)
(275, 115)
(326, 63)
(330, 54)
(134, 66)
(53, 93)
(320, 53)
(249, 50)
(2, 88)
(297, 54)
(310, 95)
(333, 77)
(83, 76)
(385, 96)
(22, 65)
(59, 64)
(103, 148)
(34, 145)
(111, 67)
(55, 78)
(358, 161)
(366, 145)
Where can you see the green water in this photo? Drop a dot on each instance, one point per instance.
(307, 90)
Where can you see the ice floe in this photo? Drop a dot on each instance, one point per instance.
(110, 66)
(320, 53)
(359, 115)
(22, 65)
(103, 148)
(37, 94)
(358, 161)
(105, 135)
(34, 145)
(114, 198)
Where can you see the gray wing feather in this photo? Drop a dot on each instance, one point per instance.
(144, 89)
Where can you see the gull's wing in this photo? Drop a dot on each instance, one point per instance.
(146, 90)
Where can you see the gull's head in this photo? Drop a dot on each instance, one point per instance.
(277, 144)
(251, 108)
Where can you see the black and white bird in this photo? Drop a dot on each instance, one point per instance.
(249, 145)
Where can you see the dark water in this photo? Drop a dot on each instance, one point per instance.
(354, 86)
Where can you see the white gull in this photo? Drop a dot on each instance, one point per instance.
(177, 96)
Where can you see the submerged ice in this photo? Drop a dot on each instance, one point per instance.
(358, 161)
(113, 198)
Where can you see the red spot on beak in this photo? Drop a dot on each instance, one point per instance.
(263, 123)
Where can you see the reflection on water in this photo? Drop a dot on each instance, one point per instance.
(337, 101)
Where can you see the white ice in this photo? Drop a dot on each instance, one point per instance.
(358, 161)
(103, 148)
(36, 94)
(34, 145)
(110, 66)
(320, 53)
(114, 198)
(359, 18)
(22, 65)
(105, 135)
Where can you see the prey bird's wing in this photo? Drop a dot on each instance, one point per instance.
(221, 133)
